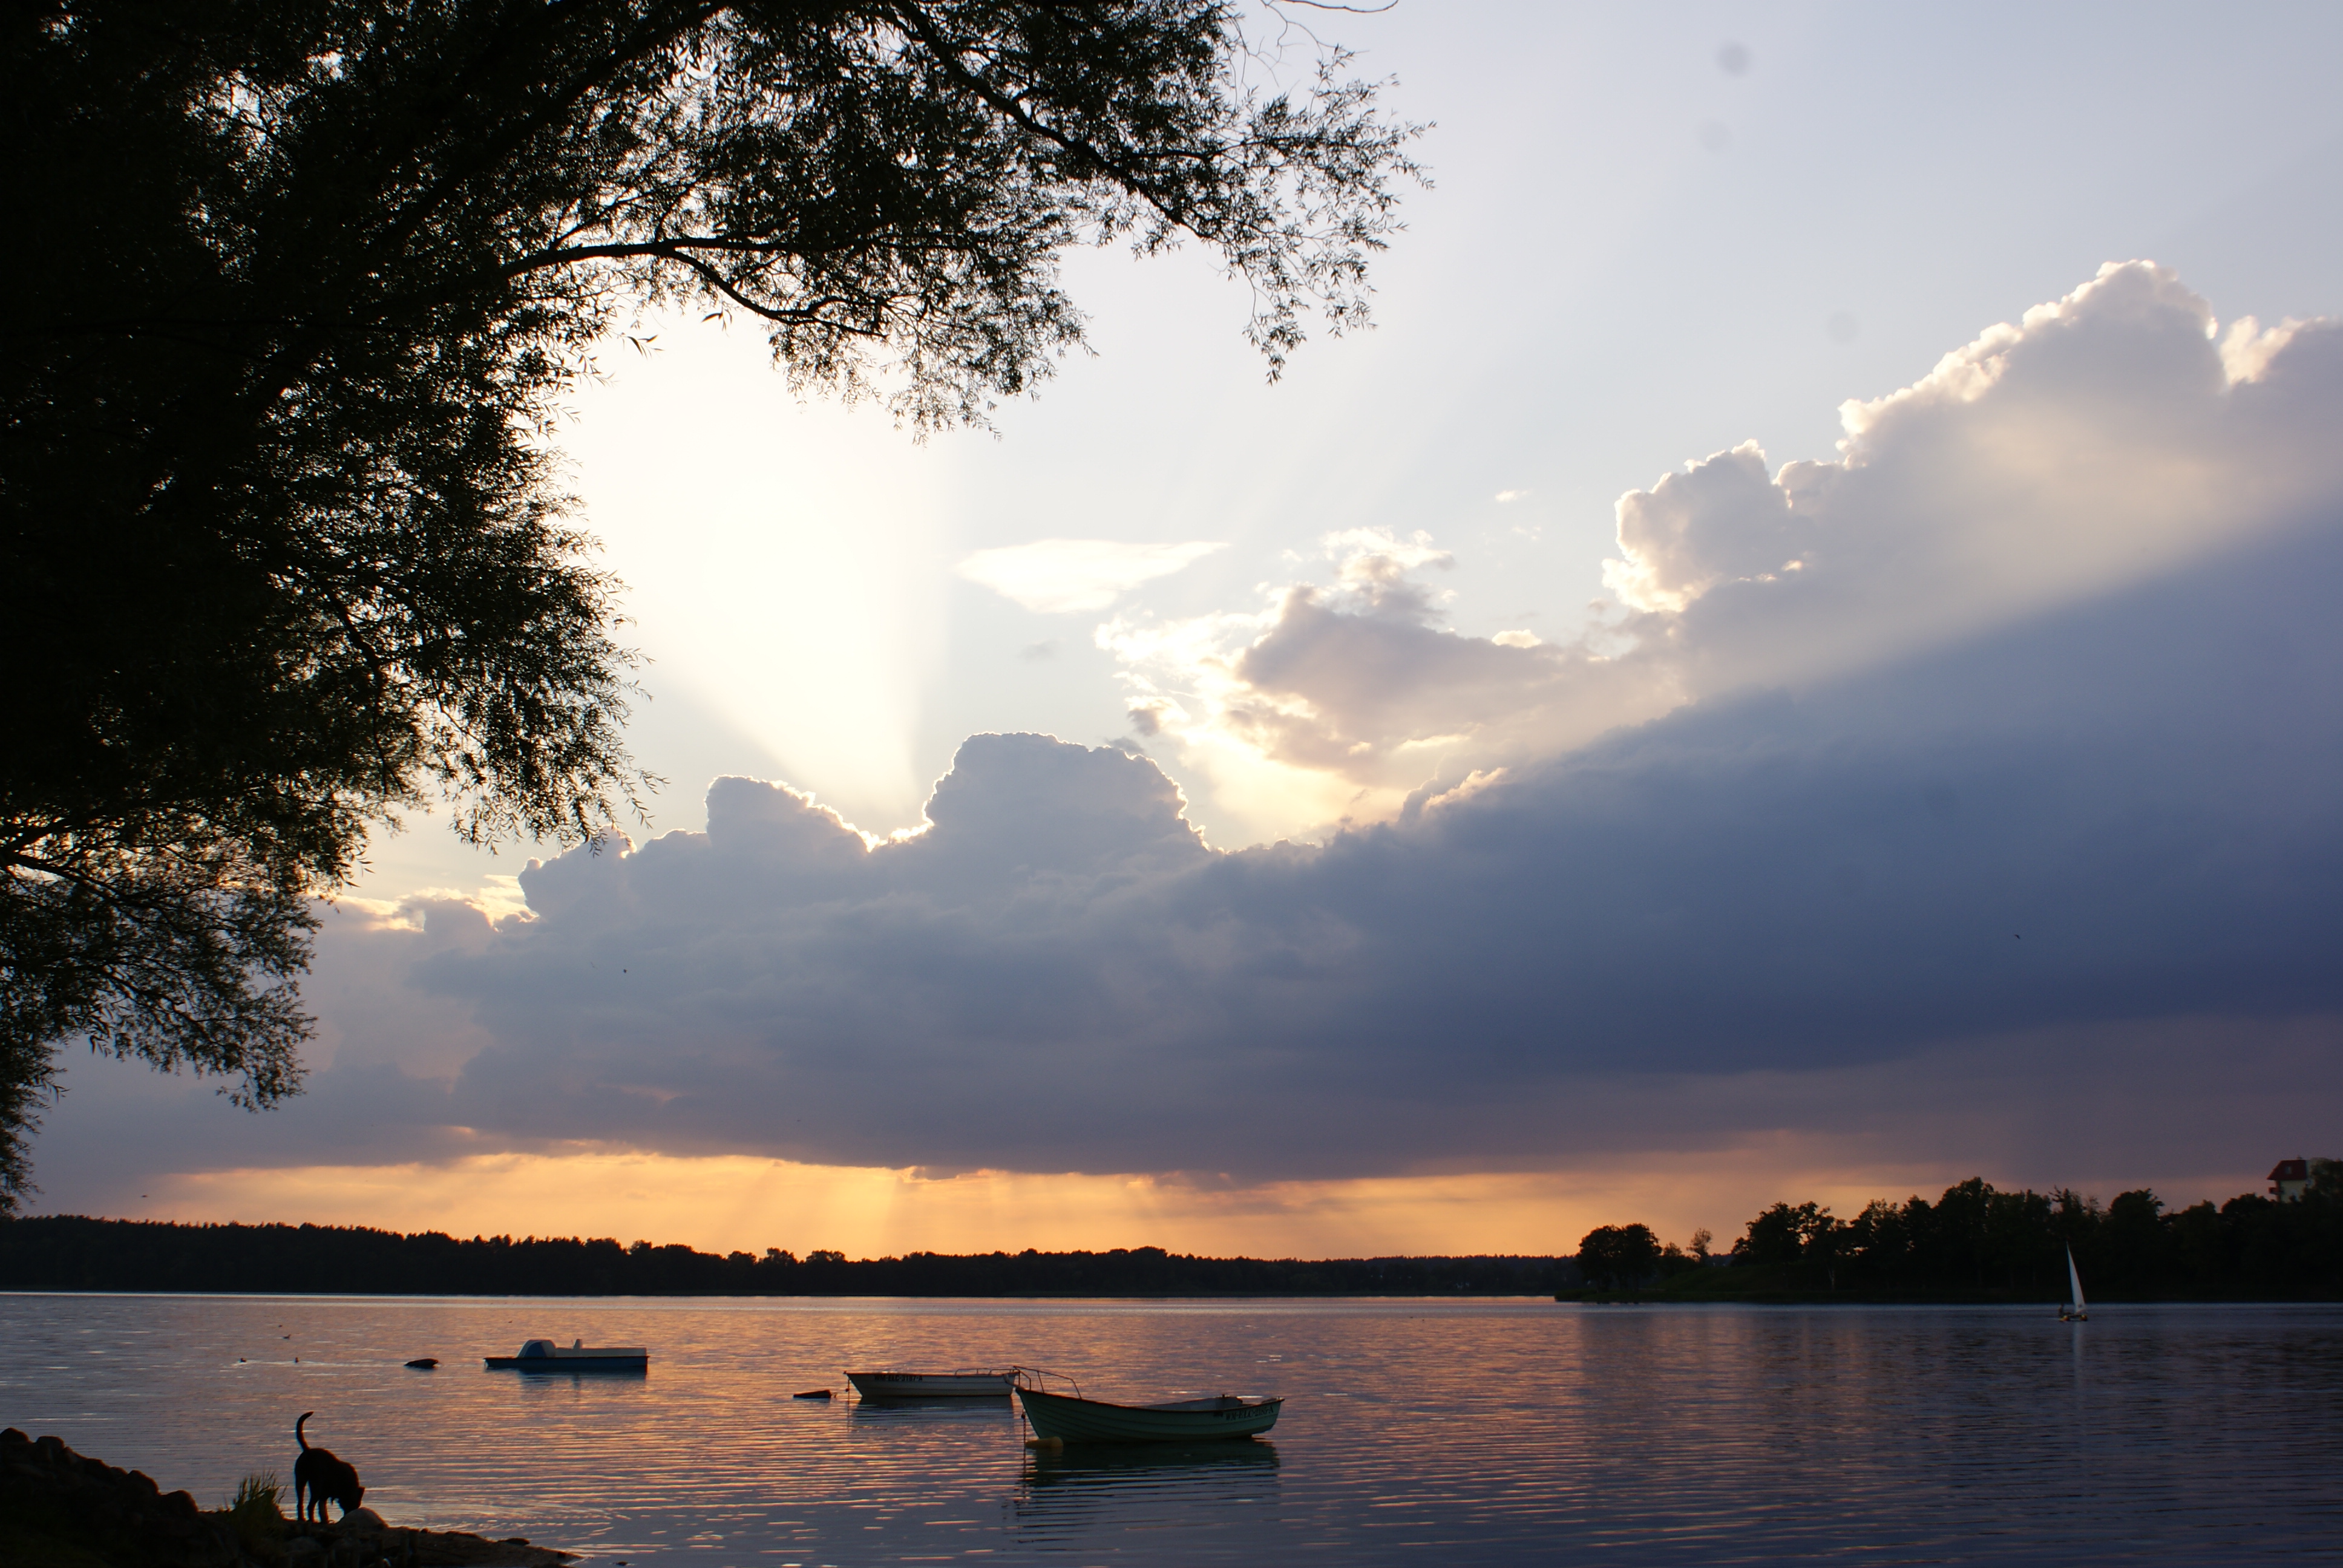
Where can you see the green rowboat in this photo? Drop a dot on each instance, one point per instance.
(1069, 1420)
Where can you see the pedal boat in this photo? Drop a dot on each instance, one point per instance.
(543, 1355)
(1065, 1419)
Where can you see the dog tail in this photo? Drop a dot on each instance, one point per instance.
(296, 1430)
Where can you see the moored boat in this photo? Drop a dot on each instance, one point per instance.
(968, 1383)
(543, 1355)
(1065, 1419)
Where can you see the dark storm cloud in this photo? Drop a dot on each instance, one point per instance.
(2011, 793)
(2124, 811)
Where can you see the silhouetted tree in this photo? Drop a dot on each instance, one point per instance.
(1878, 1243)
(1976, 1238)
(1615, 1257)
(1788, 1234)
(1675, 1259)
(2199, 1249)
(296, 286)
(2135, 1238)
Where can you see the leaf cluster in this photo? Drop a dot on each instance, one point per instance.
(177, 953)
(1612, 1257)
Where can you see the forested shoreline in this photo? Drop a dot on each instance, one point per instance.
(1974, 1242)
(71, 1252)
(1977, 1242)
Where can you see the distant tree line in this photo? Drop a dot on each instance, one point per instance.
(69, 1252)
(1978, 1241)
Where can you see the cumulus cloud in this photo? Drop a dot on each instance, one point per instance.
(2030, 760)
(1059, 576)
(2104, 439)
(2114, 821)
(1358, 682)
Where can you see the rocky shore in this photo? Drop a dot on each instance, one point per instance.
(61, 1509)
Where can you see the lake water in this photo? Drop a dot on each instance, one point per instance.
(1414, 1432)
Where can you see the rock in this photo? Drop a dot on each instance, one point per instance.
(59, 1506)
(63, 1506)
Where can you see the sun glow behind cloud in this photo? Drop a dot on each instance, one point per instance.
(724, 1203)
(2210, 1097)
(780, 558)
(1058, 576)
(1971, 799)
(2103, 439)
(731, 1203)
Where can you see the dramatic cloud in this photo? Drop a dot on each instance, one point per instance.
(1358, 684)
(2119, 812)
(1998, 767)
(1057, 577)
(2111, 827)
(2105, 439)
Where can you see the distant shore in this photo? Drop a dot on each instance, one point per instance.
(73, 1253)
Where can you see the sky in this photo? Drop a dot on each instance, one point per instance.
(1797, 660)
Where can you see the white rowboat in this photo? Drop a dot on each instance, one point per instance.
(1065, 1419)
(976, 1384)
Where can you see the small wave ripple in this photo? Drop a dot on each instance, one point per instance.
(1414, 1432)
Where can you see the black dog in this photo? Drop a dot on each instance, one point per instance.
(320, 1477)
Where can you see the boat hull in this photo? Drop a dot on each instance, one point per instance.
(931, 1385)
(1069, 1420)
(631, 1359)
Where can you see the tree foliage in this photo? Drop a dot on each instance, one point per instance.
(1977, 1242)
(1618, 1257)
(308, 280)
(1977, 1239)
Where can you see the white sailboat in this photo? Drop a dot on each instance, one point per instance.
(2074, 1313)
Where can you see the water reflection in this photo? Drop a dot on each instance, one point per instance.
(1968, 1436)
(925, 1420)
(583, 1388)
(1087, 1488)
(873, 1408)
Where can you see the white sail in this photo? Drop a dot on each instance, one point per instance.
(2075, 1279)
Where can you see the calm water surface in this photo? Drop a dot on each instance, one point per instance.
(1414, 1432)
